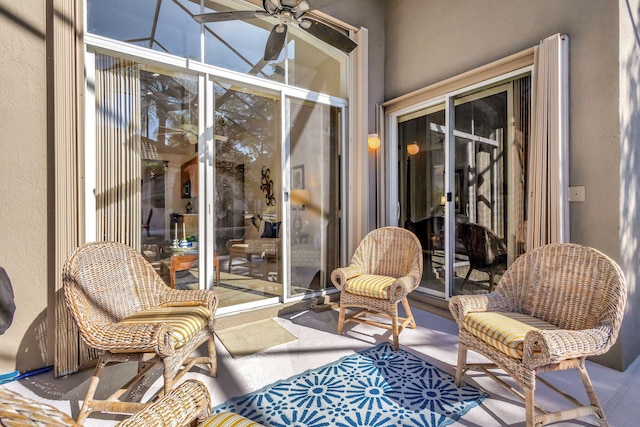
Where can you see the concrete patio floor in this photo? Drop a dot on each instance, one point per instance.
(435, 341)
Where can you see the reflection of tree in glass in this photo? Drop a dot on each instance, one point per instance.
(246, 129)
(169, 110)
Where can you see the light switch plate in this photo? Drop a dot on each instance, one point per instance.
(577, 194)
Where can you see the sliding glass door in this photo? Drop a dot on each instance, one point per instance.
(422, 187)
(247, 194)
(276, 225)
(462, 191)
(313, 244)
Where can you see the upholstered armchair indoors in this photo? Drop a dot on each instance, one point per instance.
(554, 307)
(125, 311)
(385, 268)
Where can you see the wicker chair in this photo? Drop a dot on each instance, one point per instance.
(486, 251)
(186, 404)
(554, 307)
(125, 311)
(237, 248)
(385, 268)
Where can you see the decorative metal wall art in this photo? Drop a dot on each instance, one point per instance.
(266, 185)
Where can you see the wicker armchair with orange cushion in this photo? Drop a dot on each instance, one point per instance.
(125, 311)
(385, 268)
(554, 307)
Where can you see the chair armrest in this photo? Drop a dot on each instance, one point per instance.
(461, 305)
(339, 276)
(190, 297)
(546, 346)
(182, 406)
(403, 286)
(139, 337)
(232, 242)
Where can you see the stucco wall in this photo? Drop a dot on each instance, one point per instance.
(23, 180)
(430, 40)
(629, 169)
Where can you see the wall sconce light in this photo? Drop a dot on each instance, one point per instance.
(413, 149)
(373, 141)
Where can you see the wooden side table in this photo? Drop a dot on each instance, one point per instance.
(186, 262)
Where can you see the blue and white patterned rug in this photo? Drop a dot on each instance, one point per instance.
(376, 387)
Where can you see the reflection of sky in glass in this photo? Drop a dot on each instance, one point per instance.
(233, 45)
(225, 49)
(132, 21)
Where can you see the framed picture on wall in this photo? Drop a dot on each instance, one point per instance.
(297, 177)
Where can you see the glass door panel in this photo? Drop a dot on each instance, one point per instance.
(421, 180)
(480, 191)
(465, 198)
(314, 138)
(169, 174)
(247, 194)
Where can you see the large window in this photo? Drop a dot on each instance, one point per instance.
(168, 26)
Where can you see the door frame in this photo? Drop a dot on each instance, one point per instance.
(392, 196)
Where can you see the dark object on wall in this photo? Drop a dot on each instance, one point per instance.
(266, 185)
(7, 301)
(186, 189)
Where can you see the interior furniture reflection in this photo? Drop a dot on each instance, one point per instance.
(261, 242)
(430, 232)
(188, 261)
(189, 178)
(486, 251)
(525, 326)
(237, 248)
(125, 311)
(385, 268)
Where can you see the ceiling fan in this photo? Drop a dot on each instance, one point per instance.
(287, 12)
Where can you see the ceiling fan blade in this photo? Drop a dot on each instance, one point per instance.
(275, 42)
(330, 35)
(228, 16)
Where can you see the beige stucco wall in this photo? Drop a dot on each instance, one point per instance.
(23, 180)
(444, 39)
(629, 99)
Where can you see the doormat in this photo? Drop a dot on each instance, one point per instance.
(253, 337)
(375, 387)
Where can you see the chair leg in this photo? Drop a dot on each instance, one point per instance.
(341, 319)
(466, 278)
(591, 393)
(407, 309)
(168, 380)
(394, 328)
(213, 358)
(462, 363)
(91, 391)
(529, 407)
